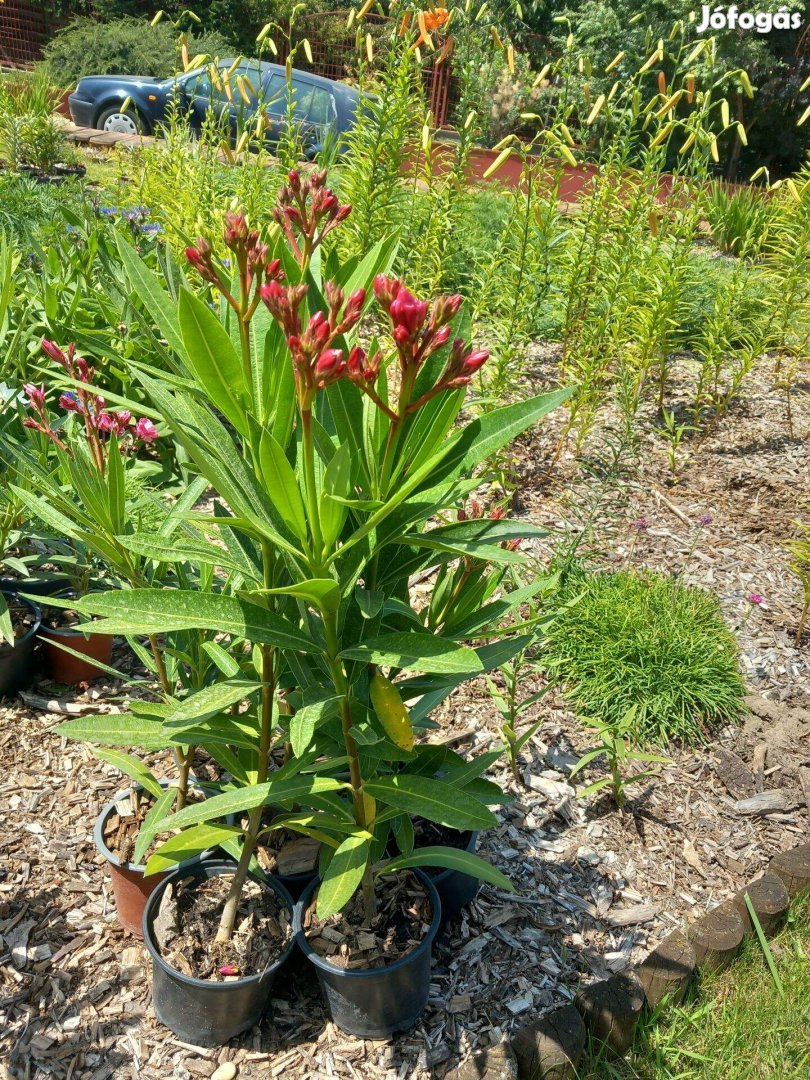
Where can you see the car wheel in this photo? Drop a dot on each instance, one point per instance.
(124, 121)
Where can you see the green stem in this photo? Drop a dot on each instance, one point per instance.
(308, 445)
(355, 775)
(226, 924)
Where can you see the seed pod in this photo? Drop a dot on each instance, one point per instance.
(499, 160)
(748, 88)
(725, 113)
(690, 141)
(391, 711)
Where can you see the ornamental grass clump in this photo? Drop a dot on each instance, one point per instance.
(625, 641)
(333, 462)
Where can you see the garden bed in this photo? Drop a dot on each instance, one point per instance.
(594, 889)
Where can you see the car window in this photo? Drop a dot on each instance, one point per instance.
(274, 94)
(198, 84)
(322, 108)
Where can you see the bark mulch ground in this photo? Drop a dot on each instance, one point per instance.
(594, 888)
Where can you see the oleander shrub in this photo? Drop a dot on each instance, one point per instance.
(123, 47)
(628, 640)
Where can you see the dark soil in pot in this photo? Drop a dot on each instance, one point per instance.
(59, 627)
(374, 975)
(115, 834)
(18, 662)
(208, 992)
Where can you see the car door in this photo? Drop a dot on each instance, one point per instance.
(313, 107)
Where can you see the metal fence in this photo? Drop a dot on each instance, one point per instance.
(24, 29)
(335, 54)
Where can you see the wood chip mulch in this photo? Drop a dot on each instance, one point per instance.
(594, 888)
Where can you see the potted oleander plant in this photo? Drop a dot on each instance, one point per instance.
(76, 477)
(332, 460)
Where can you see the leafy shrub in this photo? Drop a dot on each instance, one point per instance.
(30, 211)
(738, 219)
(709, 279)
(124, 47)
(626, 640)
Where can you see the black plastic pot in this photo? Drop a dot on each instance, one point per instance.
(198, 1011)
(376, 1003)
(18, 662)
(46, 585)
(455, 889)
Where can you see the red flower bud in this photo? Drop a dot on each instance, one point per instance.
(408, 312)
(328, 362)
(474, 360)
(385, 289)
(356, 361)
(294, 178)
(53, 351)
(35, 395)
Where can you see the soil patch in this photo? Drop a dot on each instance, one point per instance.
(187, 923)
(348, 940)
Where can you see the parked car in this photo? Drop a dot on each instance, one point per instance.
(135, 105)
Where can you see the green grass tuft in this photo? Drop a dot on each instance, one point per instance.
(624, 640)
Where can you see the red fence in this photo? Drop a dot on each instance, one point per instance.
(24, 29)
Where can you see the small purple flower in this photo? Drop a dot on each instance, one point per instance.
(755, 598)
(108, 211)
(640, 524)
(152, 229)
(705, 519)
(226, 263)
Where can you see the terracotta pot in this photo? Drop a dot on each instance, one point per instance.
(69, 670)
(131, 888)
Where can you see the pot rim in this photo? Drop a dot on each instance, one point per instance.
(424, 945)
(221, 866)
(135, 868)
(35, 608)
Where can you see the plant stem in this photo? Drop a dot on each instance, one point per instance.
(309, 483)
(226, 924)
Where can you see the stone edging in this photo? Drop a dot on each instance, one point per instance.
(550, 1048)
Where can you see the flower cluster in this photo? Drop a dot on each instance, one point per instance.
(251, 257)
(315, 359)
(86, 404)
(307, 211)
(418, 330)
(136, 217)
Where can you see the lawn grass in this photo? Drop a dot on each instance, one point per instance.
(734, 1025)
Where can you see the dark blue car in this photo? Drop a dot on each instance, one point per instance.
(135, 105)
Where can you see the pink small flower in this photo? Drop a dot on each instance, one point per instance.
(146, 430)
(105, 423)
(705, 519)
(755, 598)
(35, 395)
(640, 524)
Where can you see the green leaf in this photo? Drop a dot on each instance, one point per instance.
(133, 768)
(323, 593)
(216, 733)
(187, 845)
(213, 359)
(148, 830)
(304, 722)
(344, 875)
(433, 800)
(452, 859)
(371, 603)
(156, 611)
(337, 480)
(213, 699)
(181, 549)
(281, 485)
(292, 789)
(155, 298)
(122, 729)
(421, 652)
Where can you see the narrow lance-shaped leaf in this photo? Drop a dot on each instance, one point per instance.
(432, 799)
(344, 874)
(452, 859)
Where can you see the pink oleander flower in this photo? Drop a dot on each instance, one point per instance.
(755, 598)
(146, 430)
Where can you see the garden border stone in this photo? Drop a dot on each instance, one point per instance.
(549, 1048)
